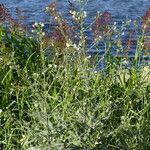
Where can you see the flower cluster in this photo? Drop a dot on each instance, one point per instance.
(52, 11)
(38, 28)
(78, 16)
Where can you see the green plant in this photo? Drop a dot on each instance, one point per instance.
(52, 95)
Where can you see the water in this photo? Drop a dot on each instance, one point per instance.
(121, 10)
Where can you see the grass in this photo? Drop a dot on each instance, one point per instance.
(53, 97)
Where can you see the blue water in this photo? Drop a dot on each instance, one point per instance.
(120, 9)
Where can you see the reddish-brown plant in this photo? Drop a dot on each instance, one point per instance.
(62, 31)
(101, 24)
(129, 42)
(60, 35)
(146, 29)
(146, 21)
(5, 16)
(52, 11)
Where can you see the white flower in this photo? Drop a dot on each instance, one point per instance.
(122, 118)
(75, 45)
(100, 37)
(116, 36)
(47, 8)
(98, 12)
(123, 33)
(36, 105)
(56, 18)
(96, 143)
(0, 111)
(55, 66)
(65, 70)
(89, 57)
(128, 21)
(125, 62)
(85, 14)
(43, 33)
(67, 44)
(114, 27)
(42, 24)
(73, 13)
(49, 65)
(35, 24)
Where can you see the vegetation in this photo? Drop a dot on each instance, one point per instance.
(54, 95)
